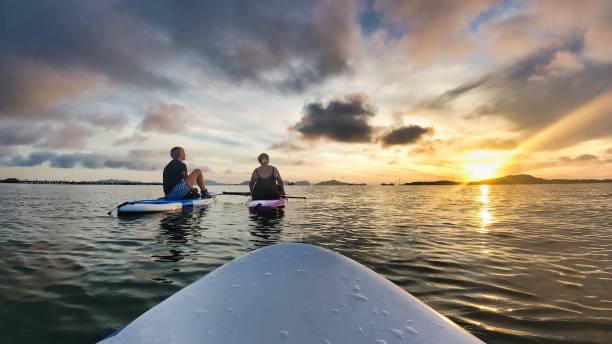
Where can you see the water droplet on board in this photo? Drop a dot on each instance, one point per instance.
(398, 333)
(359, 296)
(411, 329)
(284, 333)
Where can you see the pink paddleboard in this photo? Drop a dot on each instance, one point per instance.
(265, 204)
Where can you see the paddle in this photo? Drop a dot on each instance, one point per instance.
(237, 193)
(249, 194)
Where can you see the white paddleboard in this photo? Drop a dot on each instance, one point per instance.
(157, 205)
(292, 293)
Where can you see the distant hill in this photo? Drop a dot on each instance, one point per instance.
(336, 182)
(515, 179)
(115, 181)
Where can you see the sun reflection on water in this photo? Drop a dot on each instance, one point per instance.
(485, 214)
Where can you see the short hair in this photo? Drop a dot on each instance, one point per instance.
(175, 152)
(262, 156)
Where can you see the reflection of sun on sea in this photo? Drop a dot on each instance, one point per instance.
(485, 215)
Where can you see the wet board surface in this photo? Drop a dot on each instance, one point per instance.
(292, 293)
(157, 205)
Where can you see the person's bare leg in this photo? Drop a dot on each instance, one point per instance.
(200, 181)
(196, 176)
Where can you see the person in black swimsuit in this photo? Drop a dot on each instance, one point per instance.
(266, 182)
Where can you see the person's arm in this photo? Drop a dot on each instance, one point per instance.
(252, 182)
(279, 180)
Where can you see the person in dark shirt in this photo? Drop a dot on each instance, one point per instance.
(177, 184)
(266, 182)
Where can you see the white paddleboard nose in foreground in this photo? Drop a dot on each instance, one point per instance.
(292, 293)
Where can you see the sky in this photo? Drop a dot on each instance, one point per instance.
(363, 91)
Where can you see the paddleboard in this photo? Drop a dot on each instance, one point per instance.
(292, 293)
(157, 205)
(265, 204)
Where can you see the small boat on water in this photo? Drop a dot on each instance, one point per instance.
(292, 293)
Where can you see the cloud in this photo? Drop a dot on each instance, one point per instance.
(67, 136)
(494, 144)
(288, 45)
(299, 163)
(20, 134)
(135, 138)
(430, 29)
(108, 121)
(86, 160)
(539, 90)
(341, 120)
(165, 118)
(286, 145)
(405, 135)
(584, 158)
(34, 159)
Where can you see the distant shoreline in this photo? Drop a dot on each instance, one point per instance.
(521, 179)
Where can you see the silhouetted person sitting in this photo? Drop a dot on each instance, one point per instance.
(177, 184)
(266, 182)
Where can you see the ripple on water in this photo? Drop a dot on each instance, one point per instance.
(526, 264)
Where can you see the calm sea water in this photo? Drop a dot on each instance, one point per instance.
(512, 264)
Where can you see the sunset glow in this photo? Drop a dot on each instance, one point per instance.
(358, 91)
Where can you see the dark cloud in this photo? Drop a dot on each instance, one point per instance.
(86, 160)
(405, 135)
(34, 159)
(166, 118)
(341, 120)
(53, 52)
(301, 43)
(20, 134)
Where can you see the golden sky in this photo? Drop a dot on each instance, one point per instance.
(360, 91)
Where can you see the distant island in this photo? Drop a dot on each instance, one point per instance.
(337, 182)
(514, 179)
(96, 182)
(507, 180)
(299, 182)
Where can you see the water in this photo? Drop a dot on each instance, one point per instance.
(512, 264)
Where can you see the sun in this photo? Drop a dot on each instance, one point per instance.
(481, 165)
(481, 171)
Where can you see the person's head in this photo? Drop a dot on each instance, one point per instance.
(263, 158)
(177, 153)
